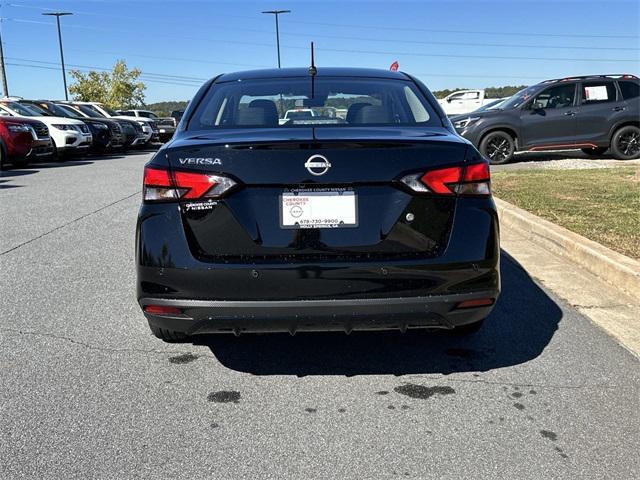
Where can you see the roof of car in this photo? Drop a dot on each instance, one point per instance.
(304, 72)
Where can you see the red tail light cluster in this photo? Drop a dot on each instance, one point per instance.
(161, 185)
(473, 179)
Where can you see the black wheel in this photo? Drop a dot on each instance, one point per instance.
(498, 147)
(469, 328)
(55, 155)
(20, 162)
(168, 336)
(594, 151)
(3, 166)
(625, 143)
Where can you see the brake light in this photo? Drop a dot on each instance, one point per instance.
(471, 179)
(161, 185)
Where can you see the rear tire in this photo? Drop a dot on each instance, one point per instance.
(168, 336)
(625, 143)
(2, 159)
(594, 151)
(498, 147)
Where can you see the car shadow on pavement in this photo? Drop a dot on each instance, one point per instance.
(522, 324)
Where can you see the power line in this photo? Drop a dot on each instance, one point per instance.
(379, 52)
(377, 27)
(473, 32)
(489, 57)
(146, 76)
(147, 80)
(201, 79)
(177, 77)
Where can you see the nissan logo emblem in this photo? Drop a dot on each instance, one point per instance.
(317, 165)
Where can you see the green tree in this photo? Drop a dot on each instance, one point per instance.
(119, 88)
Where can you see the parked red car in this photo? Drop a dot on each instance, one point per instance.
(23, 139)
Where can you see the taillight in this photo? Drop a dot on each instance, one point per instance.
(161, 310)
(471, 179)
(162, 186)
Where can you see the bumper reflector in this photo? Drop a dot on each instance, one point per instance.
(161, 310)
(477, 302)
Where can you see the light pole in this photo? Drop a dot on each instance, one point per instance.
(3, 72)
(276, 13)
(64, 76)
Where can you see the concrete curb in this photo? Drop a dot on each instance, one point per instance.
(614, 268)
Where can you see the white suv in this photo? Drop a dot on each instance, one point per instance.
(68, 135)
(149, 127)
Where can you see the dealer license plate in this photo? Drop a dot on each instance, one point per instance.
(322, 209)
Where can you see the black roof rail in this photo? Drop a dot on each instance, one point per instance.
(583, 77)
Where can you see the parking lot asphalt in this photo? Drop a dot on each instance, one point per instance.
(87, 392)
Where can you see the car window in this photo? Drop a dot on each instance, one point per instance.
(21, 109)
(91, 111)
(598, 92)
(70, 111)
(265, 103)
(37, 109)
(629, 89)
(147, 114)
(560, 96)
(111, 112)
(54, 110)
(521, 97)
(128, 113)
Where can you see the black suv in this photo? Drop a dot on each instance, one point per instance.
(593, 113)
(251, 222)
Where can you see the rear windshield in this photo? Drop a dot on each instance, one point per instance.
(299, 102)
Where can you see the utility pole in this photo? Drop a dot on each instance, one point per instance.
(3, 72)
(276, 13)
(64, 76)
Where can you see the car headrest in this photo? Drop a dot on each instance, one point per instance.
(353, 109)
(252, 117)
(372, 114)
(269, 115)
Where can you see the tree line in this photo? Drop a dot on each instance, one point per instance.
(122, 88)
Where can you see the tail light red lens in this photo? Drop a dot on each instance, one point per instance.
(161, 310)
(439, 181)
(161, 185)
(471, 179)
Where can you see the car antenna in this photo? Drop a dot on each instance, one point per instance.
(313, 71)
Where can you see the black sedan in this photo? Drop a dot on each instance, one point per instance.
(254, 223)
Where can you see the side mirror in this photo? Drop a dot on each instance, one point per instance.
(448, 99)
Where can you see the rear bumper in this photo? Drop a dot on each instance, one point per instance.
(400, 313)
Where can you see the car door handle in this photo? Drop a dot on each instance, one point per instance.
(619, 109)
(570, 114)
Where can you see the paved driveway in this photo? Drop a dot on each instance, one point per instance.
(87, 392)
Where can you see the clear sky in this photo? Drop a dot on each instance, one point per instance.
(180, 43)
